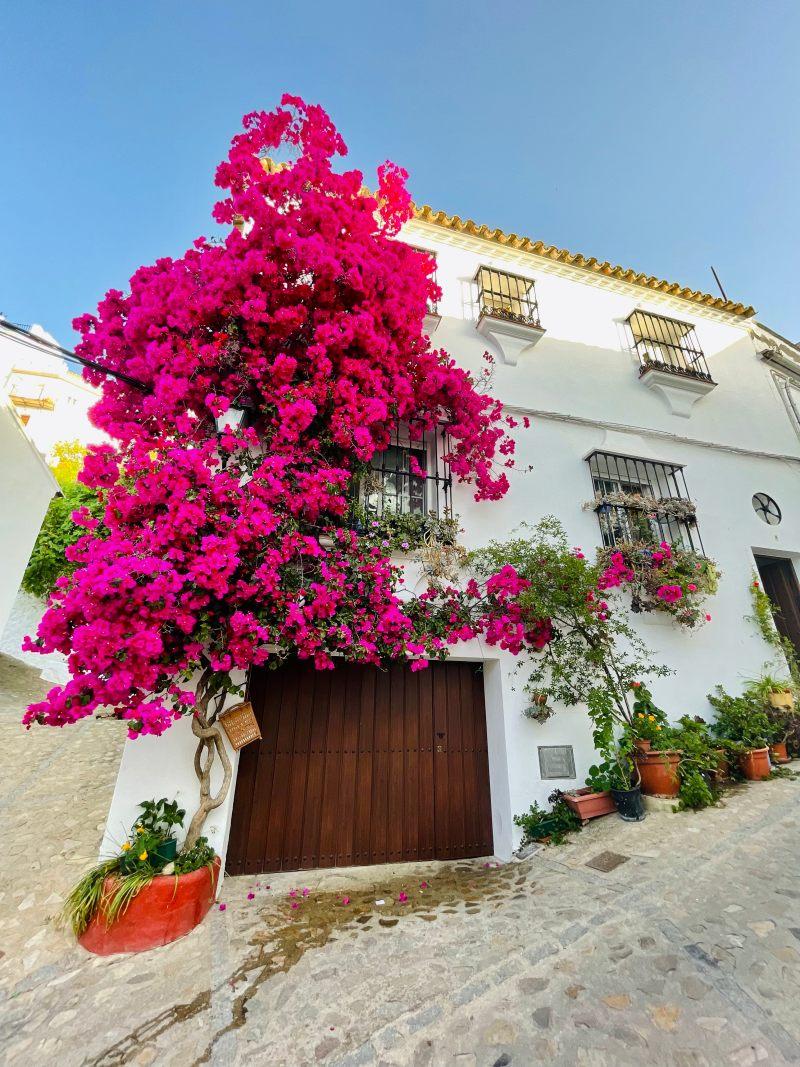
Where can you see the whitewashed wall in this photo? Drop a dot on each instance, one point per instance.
(26, 488)
(23, 620)
(580, 386)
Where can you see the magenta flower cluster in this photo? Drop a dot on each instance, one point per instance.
(219, 551)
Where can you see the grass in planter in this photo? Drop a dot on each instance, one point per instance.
(84, 900)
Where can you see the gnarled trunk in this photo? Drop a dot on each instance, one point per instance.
(210, 745)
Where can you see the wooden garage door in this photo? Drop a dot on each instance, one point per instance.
(361, 766)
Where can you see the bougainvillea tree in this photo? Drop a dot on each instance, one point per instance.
(220, 551)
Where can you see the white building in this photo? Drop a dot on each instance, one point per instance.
(51, 397)
(50, 402)
(26, 488)
(630, 382)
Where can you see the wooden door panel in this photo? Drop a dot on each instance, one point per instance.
(360, 765)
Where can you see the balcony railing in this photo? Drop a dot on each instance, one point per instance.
(639, 500)
(507, 296)
(667, 345)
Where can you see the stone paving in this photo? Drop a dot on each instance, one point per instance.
(687, 953)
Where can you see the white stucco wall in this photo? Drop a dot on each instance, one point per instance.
(26, 488)
(153, 767)
(581, 388)
(23, 620)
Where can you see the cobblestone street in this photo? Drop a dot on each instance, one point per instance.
(687, 953)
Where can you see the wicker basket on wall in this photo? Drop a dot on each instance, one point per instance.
(241, 725)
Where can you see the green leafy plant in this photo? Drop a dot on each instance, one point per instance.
(595, 654)
(554, 825)
(161, 816)
(740, 719)
(48, 562)
(764, 612)
(695, 793)
(201, 854)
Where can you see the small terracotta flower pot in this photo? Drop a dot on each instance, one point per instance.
(659, 773)
(754, 764)
(783, 699)
(588, 805)
(166, 909)
(641, 744)
(778, 752)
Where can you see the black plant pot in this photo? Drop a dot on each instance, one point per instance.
(629, 804)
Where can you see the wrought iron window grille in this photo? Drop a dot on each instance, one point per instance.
(667, 345)
(393, 484)
(640, 500)
(507, 296)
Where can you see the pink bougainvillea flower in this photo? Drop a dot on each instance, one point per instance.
(223, 907)
(251, 896)
(292, 892)
(402, 897)
(306, 891)
(294, 905)
(345, 900)
(424, 885)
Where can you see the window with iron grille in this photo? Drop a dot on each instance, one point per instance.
(667, 345)
(394, 484)
(507, 296)
(639, 500)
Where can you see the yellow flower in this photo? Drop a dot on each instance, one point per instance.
(143, 855)
(126, 847)
(641, 715)
(139, 829)
(652, 718)
(658, 728)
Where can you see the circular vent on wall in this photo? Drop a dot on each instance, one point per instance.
(766, 509)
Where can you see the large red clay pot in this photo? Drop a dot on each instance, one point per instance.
(588, 805)
(659, 772)
(166, 909)
(754, 764)
(778, 752)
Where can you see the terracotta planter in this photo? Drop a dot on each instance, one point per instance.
(641, 744)
(166, 909)
(754, 764)
(723, 770)
(659, 773)
(783, 699)
(778, 752)
(588, 805)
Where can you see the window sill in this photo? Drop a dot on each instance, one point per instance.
(679, 391)
(511, 337)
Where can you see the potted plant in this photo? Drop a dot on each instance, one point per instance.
(594, 799)
(548, 826)
(655, 753)
(744, 721)
(141, 898)
(773, 692)
(625, 781)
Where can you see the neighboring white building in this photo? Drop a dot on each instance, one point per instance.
(50, 402)
(51, 398)
(630, 382)
(26, 488)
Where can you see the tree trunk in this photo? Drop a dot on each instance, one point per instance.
(210, 744)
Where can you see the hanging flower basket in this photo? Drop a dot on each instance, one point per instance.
(241, 725)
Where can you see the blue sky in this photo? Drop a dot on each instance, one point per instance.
(662, 137)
